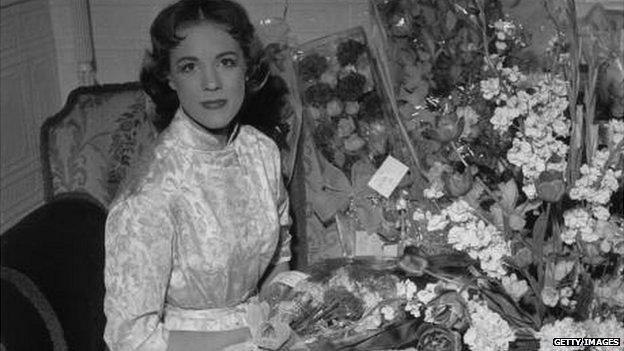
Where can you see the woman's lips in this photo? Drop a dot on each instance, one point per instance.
(214, 104)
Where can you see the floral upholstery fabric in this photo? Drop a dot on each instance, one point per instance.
(191, 234)
(89, 145)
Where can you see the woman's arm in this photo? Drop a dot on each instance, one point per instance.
(274, 270)
(137, 269)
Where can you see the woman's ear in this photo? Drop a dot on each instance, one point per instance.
(170, 82)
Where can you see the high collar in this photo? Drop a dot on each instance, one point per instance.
(190, 134)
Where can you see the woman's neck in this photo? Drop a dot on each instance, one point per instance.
(222, 135)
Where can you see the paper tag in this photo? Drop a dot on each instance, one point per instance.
(289, 278)
(388, 176)
(367, 244)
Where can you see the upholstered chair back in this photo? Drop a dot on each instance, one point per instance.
(89, 145)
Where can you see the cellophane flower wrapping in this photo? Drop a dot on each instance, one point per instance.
(368, 304)
(350, 130)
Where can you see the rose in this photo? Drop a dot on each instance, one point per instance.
(436, 338)
(348, 52)
(458, 184)
(350, 87)
(449, 310)
(448, 127)
(312, 66)
(319, 94)
(353, 143)
(550, 186)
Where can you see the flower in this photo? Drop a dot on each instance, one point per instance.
(329, 78)
(601, 213)
(350, 87)
(459, 211)
(458, 184)
(600, 328)
(490, 88)
(348, 51)
(550, 296)
(388, 313)
(427, 294)
(354, 143)
(406, 289)
(514, 287)
(334, 108)
(564, 328)
(413, 307)
(318, 94)
(488, 330)
(471, 119)
(418, 215)
(346, 127)
(523, 257)
(435, 222)
(610, 291)
(433, 192)
(312, 66)
(616, 131)
(448, 127)
(352, 107)
(435, 337)
(449, 310)
(550, 186)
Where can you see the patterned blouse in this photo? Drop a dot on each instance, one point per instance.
(190, 235)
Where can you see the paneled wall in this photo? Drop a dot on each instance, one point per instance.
(29, 92)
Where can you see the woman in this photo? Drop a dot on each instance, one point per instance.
(204, 218)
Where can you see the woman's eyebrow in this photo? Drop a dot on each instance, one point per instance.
(187, 58)
(227, 53)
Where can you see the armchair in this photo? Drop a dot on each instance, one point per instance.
(54, 257)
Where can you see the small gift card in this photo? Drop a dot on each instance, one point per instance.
(388, 176)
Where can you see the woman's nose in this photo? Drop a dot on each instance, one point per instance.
(210, 79)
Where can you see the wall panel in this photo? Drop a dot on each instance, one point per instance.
(29, 93)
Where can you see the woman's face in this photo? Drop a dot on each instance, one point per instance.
(207, 71)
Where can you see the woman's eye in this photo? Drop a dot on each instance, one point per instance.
(228, 62)
(187, 67)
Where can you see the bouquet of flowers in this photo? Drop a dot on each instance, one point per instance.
(367, 304)
(344, 100)
(520, 174)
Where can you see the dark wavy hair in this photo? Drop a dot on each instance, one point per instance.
(264, 94)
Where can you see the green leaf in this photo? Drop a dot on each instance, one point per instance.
(509, 193)
(539, 232)
(505, 306)
(451, 20)
(562, 269)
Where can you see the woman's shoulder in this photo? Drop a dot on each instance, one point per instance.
(253, 138)
(153, 171)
